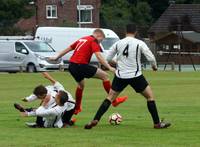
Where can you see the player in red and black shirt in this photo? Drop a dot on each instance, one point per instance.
(79, 66)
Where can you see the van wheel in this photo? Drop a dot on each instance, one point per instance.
(31, 68)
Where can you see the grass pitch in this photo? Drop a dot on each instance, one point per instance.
(178, 100)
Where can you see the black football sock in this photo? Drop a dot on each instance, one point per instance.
(102, 109)
(29, 109)
(153, 110)
(39, 121)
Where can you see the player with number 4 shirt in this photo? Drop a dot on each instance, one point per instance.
(80, 69)
(129, 72)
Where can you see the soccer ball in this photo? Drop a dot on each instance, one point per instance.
(115, 119)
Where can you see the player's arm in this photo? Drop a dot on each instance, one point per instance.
(61, 54)
(46, 101)
(49, 77)
(149, 55)
(55, 83)
(28, 114)
(42, 111)
(111, 54)
(30, 98)
(101, 59)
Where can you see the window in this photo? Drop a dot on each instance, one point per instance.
(51, 12)
(176, 47)
(20, 48)
(85, 13)
(39, 47)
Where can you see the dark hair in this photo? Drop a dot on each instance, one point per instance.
(63, 97)
(131, 28)
(99, 31)
(40, 90)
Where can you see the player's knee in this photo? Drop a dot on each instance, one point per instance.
(105, 76)
(150, 99)
(81, 85)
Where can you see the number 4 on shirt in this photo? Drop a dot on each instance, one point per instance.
(125, 52)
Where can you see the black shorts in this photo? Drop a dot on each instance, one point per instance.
(67, 116)
(81, 71)
(139, 84)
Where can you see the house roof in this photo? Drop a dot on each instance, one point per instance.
(175, 11)
(192, 36)
(188, 35)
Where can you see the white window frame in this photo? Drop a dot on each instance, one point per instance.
(85, 8)
(51, 8)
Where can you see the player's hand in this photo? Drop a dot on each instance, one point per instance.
(52, 58)
(24, 100)
(24, 114)
(112, 69)
(46, 100)
(155, 68)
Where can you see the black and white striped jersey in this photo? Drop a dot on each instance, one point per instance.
(128, 52)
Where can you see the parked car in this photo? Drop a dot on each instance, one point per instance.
(17, 54)
(62, 37)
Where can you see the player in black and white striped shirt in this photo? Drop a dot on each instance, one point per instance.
(129, 72)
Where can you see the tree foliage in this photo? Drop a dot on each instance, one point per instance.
(115, 14)
(10, 12)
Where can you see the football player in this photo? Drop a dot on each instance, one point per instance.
(47, 96)
(129, 72)
(80, 69)
(52, 117)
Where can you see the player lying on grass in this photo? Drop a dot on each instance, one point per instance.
(129, 72)
(47, 96)
(52, 117)
(80, 69)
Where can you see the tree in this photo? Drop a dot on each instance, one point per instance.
(187, 1)
(142, 17)
(11, 11)
(115, 15)
(158, 7)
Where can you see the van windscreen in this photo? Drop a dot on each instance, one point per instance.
(108, 42)
(39, 47)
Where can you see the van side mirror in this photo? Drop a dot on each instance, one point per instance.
(24, 51)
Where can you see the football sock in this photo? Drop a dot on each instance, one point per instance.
(107, 86)
(79, 94)
(29, 109)
(102, 109)
(153, 110)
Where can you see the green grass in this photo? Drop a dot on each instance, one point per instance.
(178, 100)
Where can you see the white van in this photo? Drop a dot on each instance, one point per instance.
(26, 55)
(62, 37)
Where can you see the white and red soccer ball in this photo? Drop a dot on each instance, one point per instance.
(115, 119)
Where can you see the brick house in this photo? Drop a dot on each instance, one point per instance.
(62, 13)
(167, 44)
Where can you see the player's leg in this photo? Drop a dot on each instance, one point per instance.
(151, 105)
(76, 71)
(79, 96)
(39, 122)
(141, 86)
(102, 109)
(117, 86)
(100, 74)
(20, 108)
(67, 118)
